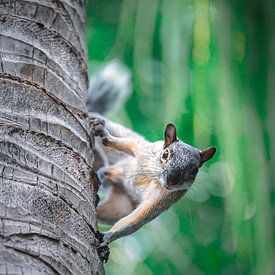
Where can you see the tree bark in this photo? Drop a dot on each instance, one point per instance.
(48, 185)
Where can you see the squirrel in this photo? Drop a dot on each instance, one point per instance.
(145, 178)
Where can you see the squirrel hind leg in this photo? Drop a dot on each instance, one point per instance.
(112, 173)
(118, 205)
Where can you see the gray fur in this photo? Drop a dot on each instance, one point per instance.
(185, 159)
(109, 88)
(160, 173)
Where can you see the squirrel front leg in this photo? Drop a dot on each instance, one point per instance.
(155, 202)
(113, 128)
(144, 213)
(129, 146)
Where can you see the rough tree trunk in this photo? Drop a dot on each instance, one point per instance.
(47, 192)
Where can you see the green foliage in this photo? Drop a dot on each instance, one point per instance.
(207, 66)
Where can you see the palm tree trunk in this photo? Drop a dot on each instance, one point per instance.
(48, 185)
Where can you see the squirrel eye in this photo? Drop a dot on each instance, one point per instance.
(165, 155)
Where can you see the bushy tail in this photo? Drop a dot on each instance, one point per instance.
(109, 88)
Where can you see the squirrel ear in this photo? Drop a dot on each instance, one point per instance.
(170, 134)
(207, 154)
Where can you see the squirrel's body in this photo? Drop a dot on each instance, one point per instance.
(146, 179)
(143, 179)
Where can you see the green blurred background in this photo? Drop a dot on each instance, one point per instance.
(209, 67)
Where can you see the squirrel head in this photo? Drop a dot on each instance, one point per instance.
(180, 161)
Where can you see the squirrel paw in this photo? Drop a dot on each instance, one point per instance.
(103, 252)
(99, 130)
(96, 120)
(102, 247)
(97, 123)
(104, 134)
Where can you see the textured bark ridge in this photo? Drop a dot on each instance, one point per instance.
(47, 188)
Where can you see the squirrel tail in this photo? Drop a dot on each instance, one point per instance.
(109, 88)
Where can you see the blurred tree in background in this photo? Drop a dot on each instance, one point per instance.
(209, 67)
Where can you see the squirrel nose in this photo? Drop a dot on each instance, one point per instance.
(174, 177)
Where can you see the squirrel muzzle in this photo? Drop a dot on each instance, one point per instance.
(174, 178)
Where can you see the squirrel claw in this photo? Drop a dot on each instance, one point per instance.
(103, 251)
(99, 130)
(97, 123)
(102, 247)
(95, 120)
